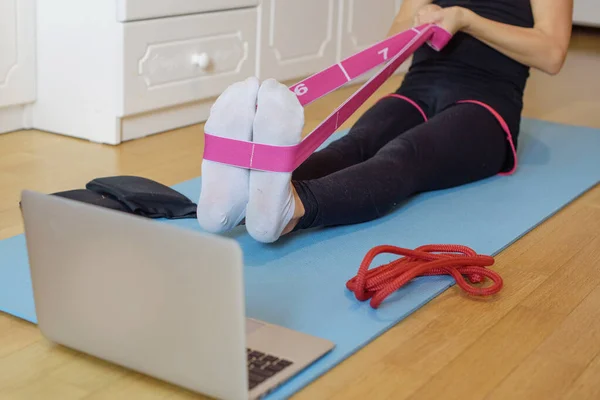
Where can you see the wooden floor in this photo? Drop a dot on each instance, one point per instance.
(539, 339)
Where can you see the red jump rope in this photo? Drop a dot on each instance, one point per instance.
(458, 261)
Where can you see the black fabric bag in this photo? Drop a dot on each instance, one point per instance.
(144, 197)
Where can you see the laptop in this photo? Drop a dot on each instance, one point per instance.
(164, 301)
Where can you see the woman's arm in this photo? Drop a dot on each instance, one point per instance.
(543, 47)
(405, 17)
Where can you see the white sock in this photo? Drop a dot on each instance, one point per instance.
(279, 121)
(224, 192)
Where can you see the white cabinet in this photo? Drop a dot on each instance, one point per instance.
(131, 10)
(17, 62)
(297, 38)
(115, 70)
(364, 24)
(109, 81)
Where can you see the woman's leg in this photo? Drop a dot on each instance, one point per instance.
(388, 118)
(462, 144)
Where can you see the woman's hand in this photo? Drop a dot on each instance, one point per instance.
(452, 19)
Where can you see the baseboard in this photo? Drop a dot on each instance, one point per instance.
(158, 121)
(12, 118)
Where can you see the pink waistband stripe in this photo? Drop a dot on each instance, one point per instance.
(506, 129)
(392, 51)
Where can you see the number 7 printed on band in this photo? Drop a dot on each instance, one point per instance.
(384, 53)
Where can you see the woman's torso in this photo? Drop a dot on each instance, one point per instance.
(469, 67)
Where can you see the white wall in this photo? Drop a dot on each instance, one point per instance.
(586, 12)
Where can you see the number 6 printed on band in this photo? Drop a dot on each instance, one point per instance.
(301, 89)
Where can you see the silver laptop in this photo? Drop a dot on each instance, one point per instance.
(160, 300)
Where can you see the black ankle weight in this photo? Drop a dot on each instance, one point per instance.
(134, 195)
(144, 197)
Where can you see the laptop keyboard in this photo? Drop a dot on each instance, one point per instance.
(263, 366)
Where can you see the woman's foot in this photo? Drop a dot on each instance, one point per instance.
(298, 212)
(272, 204)
(224, 193)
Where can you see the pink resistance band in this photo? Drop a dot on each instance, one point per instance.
(394, 50)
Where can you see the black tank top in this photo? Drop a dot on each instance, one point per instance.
(469, 65)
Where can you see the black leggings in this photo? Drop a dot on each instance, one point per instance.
(392, 153)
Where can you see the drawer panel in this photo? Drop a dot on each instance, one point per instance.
(184, 59)
(132, 10)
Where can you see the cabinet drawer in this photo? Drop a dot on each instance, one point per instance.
(132, 10)
(184, 59)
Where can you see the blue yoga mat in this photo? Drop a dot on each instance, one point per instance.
(299, 282)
